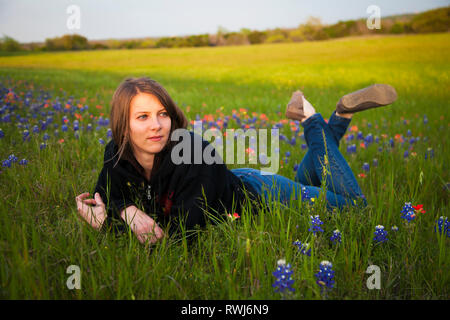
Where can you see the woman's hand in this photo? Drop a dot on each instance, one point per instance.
(144, 227)
(91, 210)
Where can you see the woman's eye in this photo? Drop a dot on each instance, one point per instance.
(144, 116)
(164, 114)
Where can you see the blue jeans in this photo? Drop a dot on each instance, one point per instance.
(342, 187)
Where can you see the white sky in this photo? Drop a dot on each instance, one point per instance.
(31, 20)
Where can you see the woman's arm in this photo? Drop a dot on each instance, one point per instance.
(93, 211)
(144, 227)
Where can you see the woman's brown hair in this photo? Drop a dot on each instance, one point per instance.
(120, 116)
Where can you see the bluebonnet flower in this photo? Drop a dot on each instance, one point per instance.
(368, 139)
(412, 141)
(380, 234)
(366, 166)
(306, 196)
(408, 133)
(391, 142)
(375, 162)
(287, 153)
(406, 154)
(109, 134)
(302, 248)
(23, 162)
(296, 166)
(13, 158)
(284, 277)
(336, 237)
(64, 128)
(394, 228)
(325, 275)
(360, 136)
(25, 135)
(6, 163)
(1, 134)
(35, 129)
(102, 142)
(350, 137)
(425, 119)
(315, 224)
(304, 146)
(377, 139)
(443, 225)
(408, 212)
(429, 152)
(293, 141)
(46, 136)
(42, 146)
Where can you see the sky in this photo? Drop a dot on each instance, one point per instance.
(34, 21)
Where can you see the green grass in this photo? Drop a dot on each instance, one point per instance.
(41, 235)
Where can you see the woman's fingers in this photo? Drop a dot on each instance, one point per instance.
(98, 199)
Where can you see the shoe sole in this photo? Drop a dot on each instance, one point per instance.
(374, 96)
(294, 108)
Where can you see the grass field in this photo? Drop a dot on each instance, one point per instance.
(41, 235)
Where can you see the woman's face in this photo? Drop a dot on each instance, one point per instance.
(148, 119)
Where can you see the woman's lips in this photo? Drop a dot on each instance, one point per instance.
(156, 138)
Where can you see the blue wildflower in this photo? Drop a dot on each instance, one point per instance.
(287, 154)
(360, 136)
(325, 275)
(35, 129)
(380, 234)
(13, 158)
(64, 128)
(25, 135)
(304, 146)
(42, 146)
(408, 212)
(302, 248)
(408, 133)
(391, 142)
(315, 224)
(6, 163)
(443, 225)
(366, 166)
(46, 136)
(296, 166)
(1, 134)
(23, 162)
(283, 273)
(102, 142)
(394, 228)
(406, 154)
(375, 162)
(429, 152)
(336, 237)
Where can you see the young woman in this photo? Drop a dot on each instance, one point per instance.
(140, 182)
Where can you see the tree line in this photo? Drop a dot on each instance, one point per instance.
(437, 20)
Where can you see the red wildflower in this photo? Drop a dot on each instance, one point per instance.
(419, 208)
(362, 175)
(234, 216)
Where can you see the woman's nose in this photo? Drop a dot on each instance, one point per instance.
(154, 123)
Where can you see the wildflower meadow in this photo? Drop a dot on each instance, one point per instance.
(54, 125)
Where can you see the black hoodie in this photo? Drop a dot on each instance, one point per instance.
(174, 191)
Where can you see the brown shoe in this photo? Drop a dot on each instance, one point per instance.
(294, 108)
(376, 95)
